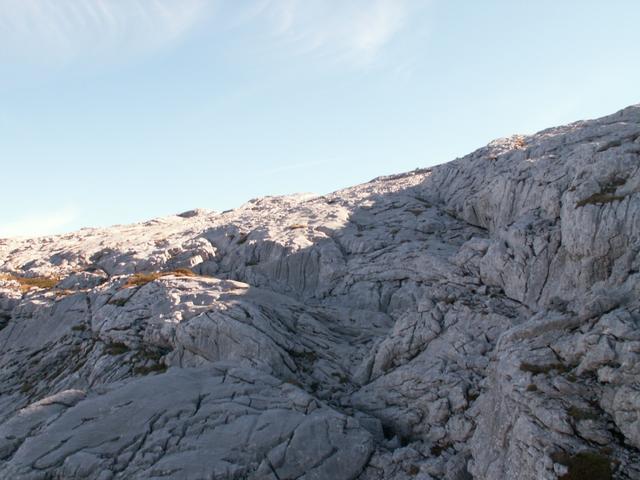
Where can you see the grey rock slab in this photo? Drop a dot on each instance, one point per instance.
(190, 423)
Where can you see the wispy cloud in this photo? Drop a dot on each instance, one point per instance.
(45, 223)
(355, 30)
(62, 30)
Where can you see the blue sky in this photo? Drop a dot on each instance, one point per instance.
(115, 111)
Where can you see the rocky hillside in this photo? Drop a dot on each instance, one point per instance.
(476, 320)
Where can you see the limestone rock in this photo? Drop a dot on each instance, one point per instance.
(475, 320)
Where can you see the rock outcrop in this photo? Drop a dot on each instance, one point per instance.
(476, 320)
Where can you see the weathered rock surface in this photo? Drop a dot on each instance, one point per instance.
(480, 319)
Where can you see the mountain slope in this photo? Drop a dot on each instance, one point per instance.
(479, 319)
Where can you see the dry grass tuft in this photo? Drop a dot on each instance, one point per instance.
(182, 272)
(519, 142)
(27, 283)
(140, 279)
(297, 226)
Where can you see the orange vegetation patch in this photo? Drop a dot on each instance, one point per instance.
(27, 283)
(140, 279)
(519, 142)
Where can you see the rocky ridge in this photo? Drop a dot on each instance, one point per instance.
(476, 320)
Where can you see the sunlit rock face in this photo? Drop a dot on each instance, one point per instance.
(476, 320)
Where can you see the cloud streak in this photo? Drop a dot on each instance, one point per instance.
(58, 31)
(62, 31)
(354, 31)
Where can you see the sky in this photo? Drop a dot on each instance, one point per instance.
(118, 111)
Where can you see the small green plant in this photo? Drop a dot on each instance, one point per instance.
(415, 211)
(581, 413)
(146, 370)
(413, 470)
(450, 300)
(472, 396)
(26, 387)
(599, 198)
(437, 449)
(305, 355)
(545, 368)
(304, 359)
(605, 195)
(151, 359)
(117, 348)
(343, 379)
(118, 302)
(571, 378)
(584, 466)
(294, 382)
